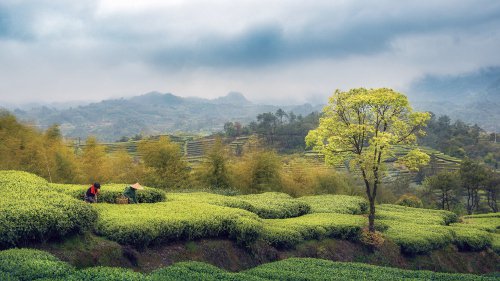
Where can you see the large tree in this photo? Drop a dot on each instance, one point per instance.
(444, 186)
(473, 176)
(361, 125)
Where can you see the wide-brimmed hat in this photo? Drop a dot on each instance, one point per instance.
(137, 186)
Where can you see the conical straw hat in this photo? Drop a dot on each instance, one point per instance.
(137, 186)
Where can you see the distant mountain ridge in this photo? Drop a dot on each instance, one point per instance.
(152, 113)
(471, 97)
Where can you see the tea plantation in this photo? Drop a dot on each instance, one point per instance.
(32, 210)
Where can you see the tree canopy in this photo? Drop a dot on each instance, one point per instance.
(360, 126)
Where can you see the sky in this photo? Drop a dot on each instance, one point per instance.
(280, 52)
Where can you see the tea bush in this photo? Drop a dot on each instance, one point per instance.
(31, 211)
(144, 224)
(471, 239)
(110, 192)
(342, 204)
(418, 238)
(267, 205)
(29, 264)
(415, 215)
(288, 232)
(30, 268)
(317, 269)
(275, 205)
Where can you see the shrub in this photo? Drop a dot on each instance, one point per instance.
(418, 238)
(341, 204)
(471, 239)
(29, 264)
(274, 205)
(144, 224)
(317, 269)
(410, 200)
(110, 192)
(266, 205)
(31, 211)
(288, 232)
(415, 215)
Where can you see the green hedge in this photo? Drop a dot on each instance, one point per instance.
(289, 232)
(342, 204)
(418, 238)
(27, 264)
(101, 273)
(415, 215)
(317, 269)
(471, 239)
(144, 224)
(266, 205)
(110, 192)
(275, 205)
(31, 211)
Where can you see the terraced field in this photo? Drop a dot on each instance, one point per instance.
(33, 210)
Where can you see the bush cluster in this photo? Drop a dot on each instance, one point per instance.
(341, 204)
(31, 211)
(267, 205)
(289, 232)
(41, 266)
(110, 192)
(410, 200)
(145, 224)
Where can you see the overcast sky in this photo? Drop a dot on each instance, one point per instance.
(271, 51)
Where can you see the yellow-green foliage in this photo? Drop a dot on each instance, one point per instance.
(266, 205)
(24, 264)
(410, 200)
(342, 204)
(144, 224)
(288, 232)
(109, 192)
(31, 211)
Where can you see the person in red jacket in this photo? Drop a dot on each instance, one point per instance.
(91, 194)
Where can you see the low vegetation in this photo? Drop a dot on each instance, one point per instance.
(27, 264)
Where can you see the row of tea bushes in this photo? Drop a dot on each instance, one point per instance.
(31, 211)
(284, 233)
(145, 224)
(274, 205)
(420, 231)
(341, 204)
(267, 205)
(110, 192)
(41, 266)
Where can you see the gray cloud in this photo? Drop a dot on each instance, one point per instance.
(173, 44)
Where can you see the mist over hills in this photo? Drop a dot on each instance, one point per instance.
(471, 97)
(152, 113)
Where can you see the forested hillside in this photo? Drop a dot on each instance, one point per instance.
(150, 114)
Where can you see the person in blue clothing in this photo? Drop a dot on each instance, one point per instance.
(129, 192)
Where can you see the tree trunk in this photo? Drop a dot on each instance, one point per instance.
(371, 216)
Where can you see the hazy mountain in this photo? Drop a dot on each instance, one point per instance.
(472, 97)
(152, 113)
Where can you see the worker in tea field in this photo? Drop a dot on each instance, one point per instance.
(129, 192)
(91, 194)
